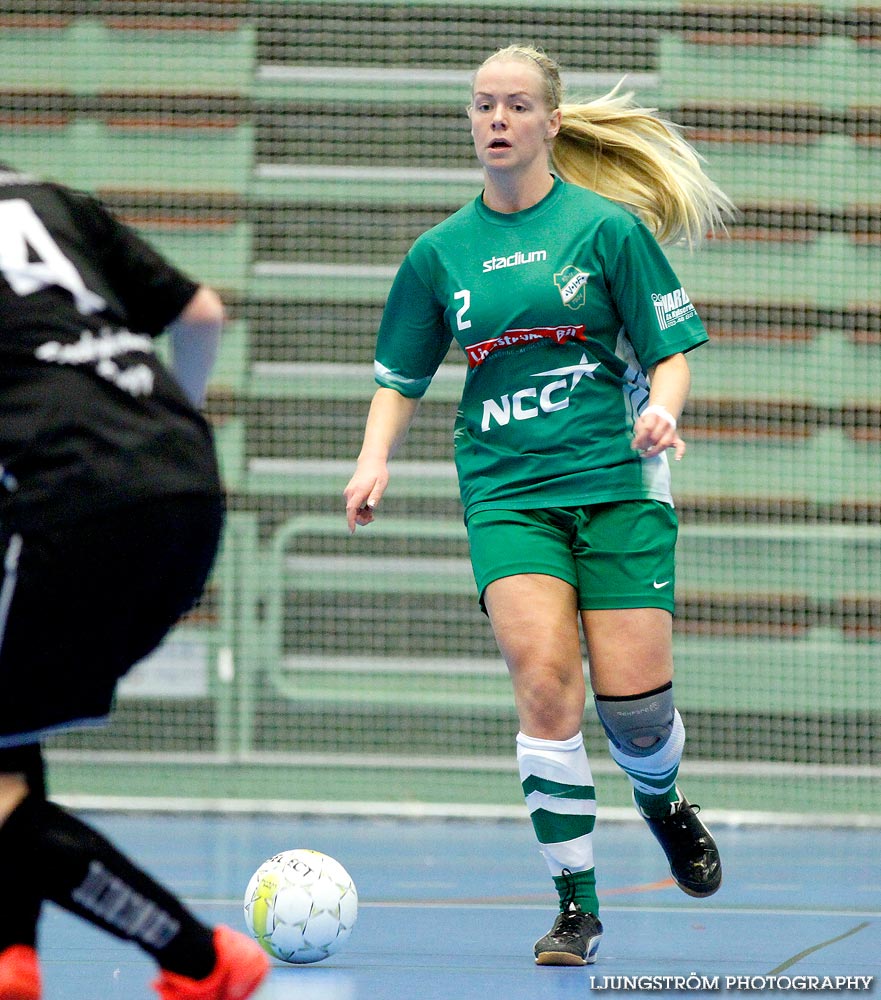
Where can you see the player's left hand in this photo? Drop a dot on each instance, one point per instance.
(655, 431)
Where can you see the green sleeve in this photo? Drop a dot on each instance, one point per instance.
(657, 314)
(413, 337)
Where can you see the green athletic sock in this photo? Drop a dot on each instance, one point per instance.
(656, 806)
(580, 888)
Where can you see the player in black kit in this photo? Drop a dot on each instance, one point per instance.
(111, 508)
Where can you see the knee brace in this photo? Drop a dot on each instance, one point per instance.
(638, 725)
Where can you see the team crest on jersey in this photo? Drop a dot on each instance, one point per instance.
(572, 285)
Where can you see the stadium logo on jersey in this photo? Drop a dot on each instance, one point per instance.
(672, 308)
(528, 403)
(478, 353)
(514, 260)
(572, 285)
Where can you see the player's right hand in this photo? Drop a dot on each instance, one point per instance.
(363, 493)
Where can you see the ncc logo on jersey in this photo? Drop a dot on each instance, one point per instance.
(530, 402)
(572, 285)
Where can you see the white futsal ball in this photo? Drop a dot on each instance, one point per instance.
(301, 906)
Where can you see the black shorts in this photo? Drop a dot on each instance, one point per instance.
(87, 601)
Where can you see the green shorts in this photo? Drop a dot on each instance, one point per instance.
(615, 555)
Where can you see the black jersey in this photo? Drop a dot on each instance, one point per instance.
(90, 418)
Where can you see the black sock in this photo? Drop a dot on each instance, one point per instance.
(20, 913)
(22, 901)
(84, 873)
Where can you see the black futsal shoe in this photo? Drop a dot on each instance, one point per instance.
(573, 940)
(691, 851)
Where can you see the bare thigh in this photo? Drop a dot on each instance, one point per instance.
(535, 621)
(630, 649)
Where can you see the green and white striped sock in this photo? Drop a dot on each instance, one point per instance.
(653, 776)
(560, 795)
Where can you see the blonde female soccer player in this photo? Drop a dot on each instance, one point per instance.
(575, 329)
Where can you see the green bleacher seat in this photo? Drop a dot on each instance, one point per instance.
(751, 73)
(770, 559)
(826, 269)
(229, 437)
(92, 154)
(784, 272)
(829, 369)
(336, 380)
(350, 255)
(218, 253)
(328, 477)
(827, 467)
(799, 679)
(332, 184)
(87, 55)
(776, 171)
(781, 560)
(305, 282)
(230, 369)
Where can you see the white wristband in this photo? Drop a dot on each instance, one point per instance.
(661, 411)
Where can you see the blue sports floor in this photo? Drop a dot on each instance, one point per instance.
(450, 909)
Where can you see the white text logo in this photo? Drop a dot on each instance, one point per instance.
(514, 260)
(102, 350)
(477, 353)
(528, 403)
(672, 308)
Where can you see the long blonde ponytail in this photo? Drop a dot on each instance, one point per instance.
(628, 154)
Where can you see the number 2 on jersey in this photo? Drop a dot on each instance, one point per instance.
(465, 296)
(30, 259)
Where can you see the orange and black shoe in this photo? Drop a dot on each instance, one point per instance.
(19, 973)
(241, 967)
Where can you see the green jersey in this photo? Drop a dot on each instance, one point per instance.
(560, 310)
